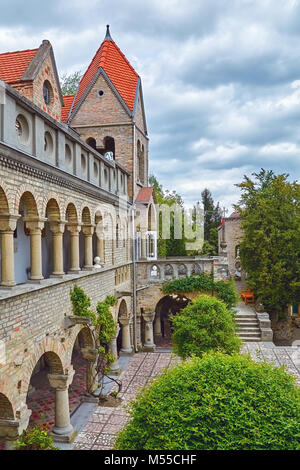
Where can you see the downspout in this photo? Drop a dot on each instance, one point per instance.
(134, 244)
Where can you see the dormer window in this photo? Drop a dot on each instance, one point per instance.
(47, 91)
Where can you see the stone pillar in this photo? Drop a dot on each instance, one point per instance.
(91, 356)
(63, 430)
(8, 225)
(35, 227)
(57, 228)
(126, 343)
(12, 428)
(114, 367)
(74, 230)
(157, 325)
(88, 231)
(100, 248)
(144, 245)
(149, 341)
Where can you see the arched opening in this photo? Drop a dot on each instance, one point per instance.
(91, 142)
(110, 239)
(109, 148)
(40, 396)
(122, 340)
(165, 308)
(99, 238)
(6, 412)
(53, 216)
(3, 210)
(28, 211)
(79, 386)
(72, 221)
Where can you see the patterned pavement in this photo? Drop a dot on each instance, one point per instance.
(100, 431)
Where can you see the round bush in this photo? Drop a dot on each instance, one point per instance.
(216, 402)
(204, 325)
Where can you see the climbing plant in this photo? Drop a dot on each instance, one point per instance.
(105, 327)
(203, 282)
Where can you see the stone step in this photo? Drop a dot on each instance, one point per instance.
(245, 316)
(247, 322)
(250, 339)
(246, 334)
(248, 330)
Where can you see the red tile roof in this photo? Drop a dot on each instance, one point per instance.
(116, 66)
(68, 100)
(14, 64)
(144, 194)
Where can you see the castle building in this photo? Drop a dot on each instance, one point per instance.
(75, 209)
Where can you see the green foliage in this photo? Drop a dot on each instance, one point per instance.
(81, 303)
(105, 321)
(212, 220)
(70, 83)
(173, 246)
(203, 282)
(270, 248)
(35, 438)
(219, 402)
(202, 326)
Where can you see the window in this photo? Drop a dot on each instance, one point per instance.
(47, 92)
(22, 129)
(100, 93)
(91, 142)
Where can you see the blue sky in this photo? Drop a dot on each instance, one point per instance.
(221, 79)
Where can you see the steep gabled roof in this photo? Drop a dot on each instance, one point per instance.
(144, 195)
(14, 64)
(68, 100)
(110, 60)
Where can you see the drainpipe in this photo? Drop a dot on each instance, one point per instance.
(134, 278)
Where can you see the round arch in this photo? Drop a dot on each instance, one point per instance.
(6, 408)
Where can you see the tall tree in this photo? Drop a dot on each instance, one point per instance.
(172, 246)
(270, 248)
(212, 220)
(69, 83)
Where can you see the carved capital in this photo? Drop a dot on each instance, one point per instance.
(35, 224)
(90, 354)
(57, 226)
(124, 321)
(8, 222)
(88, 229)
(148, 316)
(74, 229)
(60, 381)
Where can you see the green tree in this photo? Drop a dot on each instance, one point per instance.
(172, 246)
(270, 247)
(218, 402)
(212, 220)
(69, 83)
(204, 325)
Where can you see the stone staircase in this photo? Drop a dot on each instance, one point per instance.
(247, 323)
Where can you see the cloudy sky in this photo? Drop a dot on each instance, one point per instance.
(221, 78)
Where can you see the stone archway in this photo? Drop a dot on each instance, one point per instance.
(84, 360)
(166, 307)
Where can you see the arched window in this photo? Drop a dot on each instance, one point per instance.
(91, 142)
(109, 148)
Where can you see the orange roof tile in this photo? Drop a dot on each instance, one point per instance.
(144, 194)
(68, 100)
(14, 64)
(116, 66)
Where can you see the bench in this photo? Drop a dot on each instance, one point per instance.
(247, 296)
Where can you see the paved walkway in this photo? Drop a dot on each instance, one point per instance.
(103, 425)
(100, 431)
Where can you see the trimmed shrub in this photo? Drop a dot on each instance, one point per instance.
(225, 290)
(204, 325)
(219, 402)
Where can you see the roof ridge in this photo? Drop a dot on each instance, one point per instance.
(124, 57)
(18, 52)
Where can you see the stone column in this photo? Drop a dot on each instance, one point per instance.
(88, 231)
(144, 245)
(74, 230)
(114, 367)
(62, 431)
(35, 227)
(57, 228)
(91, 356)
(12, 428)
(126, 343)
(149, 341)
(100, 248)
(157, 325)
(8, 225)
